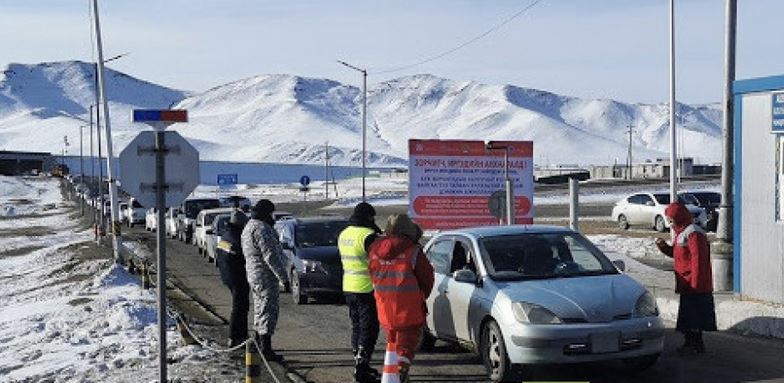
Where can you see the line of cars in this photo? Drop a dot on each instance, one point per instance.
(647, 209)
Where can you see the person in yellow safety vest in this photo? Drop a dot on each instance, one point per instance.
(353, 244)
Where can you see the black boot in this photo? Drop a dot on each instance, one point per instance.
(266, 349)
(689, 345)
(699, 345)
(363, 373)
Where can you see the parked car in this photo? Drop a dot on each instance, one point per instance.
(278, 215)
(710, 201)
(526, 295)
(121, 212)
(204, 225)
(647, 209)
(134, 212)
(186, 219)
(170, 224)
(313, 260)
(229, 202)
(151, 219)
(219, 225)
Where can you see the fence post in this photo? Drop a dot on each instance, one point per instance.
(574, 212)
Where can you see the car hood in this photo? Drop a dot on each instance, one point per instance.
(326, 254)
(593, 299)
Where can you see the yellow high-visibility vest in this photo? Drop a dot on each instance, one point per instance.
(351, 244)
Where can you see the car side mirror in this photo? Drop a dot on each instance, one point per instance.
(619, 264)
(465, 276)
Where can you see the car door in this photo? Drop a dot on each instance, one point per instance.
(439, 318)
(648, 209)
(461, 294)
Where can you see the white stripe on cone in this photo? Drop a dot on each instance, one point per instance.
(390, 360)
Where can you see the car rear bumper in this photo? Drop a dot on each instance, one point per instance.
(589, 342)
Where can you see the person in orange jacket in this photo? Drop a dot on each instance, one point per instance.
(402, 280)
(693, 278)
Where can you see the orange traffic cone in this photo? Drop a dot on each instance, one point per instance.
(390, 374)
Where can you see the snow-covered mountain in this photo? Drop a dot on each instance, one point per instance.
(284, 118)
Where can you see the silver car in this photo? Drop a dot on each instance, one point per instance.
(537, 295)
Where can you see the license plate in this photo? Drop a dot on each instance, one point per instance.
(605, 342)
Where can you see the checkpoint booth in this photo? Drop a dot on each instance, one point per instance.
(758, 228)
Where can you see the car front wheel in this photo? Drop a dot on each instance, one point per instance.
(494, 355)
(623, 223)
(296, 289)
(659, 224)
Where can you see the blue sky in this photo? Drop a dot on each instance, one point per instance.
(587, 48)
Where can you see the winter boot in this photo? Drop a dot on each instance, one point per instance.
(699, 345)
(402, 372)
(266, 349)
(689, 344)
(363, 373)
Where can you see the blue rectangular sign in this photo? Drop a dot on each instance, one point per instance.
(227, 179)
(778, 112)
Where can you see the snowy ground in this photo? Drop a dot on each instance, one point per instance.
(69, 314)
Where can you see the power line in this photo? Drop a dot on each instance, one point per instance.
(463, 45)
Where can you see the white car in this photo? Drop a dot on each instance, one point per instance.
(121, 211)
(170, 225)
(151, 219)
(133, 213)
(647, 209)
(204, 225)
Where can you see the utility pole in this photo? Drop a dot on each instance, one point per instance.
(673, 137)
(721, 254)
(116, 235)
(326, 171)
(92, 167)
(631, 164)
(364, 121)
(81, 164)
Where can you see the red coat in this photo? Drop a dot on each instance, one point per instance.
(402, 279)
(690, 252)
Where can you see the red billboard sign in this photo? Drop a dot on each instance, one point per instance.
(450, 182)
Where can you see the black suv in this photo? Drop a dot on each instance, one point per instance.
(186, 219)
(313, 260)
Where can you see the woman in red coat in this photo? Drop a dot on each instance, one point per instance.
(402, 279)
(693, 278)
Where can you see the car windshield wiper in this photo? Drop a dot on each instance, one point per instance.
(591, 273)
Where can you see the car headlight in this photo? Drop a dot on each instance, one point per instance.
(311, 266)
(534, 314)
(646, 306)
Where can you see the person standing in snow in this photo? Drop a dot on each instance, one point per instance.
(353, 243)
(693, 278)
(264, 264)
(231, 263)
(402, 280)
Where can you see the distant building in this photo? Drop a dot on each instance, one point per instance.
(18, 163)
(660, 168)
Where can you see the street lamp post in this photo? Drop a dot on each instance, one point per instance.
(81, 166)
(364, 120)
(510, 212)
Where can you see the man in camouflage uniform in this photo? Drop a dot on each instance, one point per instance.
(264, 263)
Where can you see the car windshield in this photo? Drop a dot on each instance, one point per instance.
(709, 198)
(209, 218)
(543, 255)
(193, 207)
(316, 234)
(688, 199)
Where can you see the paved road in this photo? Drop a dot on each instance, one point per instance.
(314, 340)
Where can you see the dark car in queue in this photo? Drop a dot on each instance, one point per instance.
(313, 260)
(709, 201)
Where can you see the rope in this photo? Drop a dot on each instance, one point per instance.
(180, 319)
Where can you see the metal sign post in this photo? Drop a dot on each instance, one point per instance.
(133, 159)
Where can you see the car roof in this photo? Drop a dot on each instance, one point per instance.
(493, 231)
(217, 210)
(318, 219)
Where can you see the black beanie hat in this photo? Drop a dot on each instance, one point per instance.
(364, 210)
(264, 207)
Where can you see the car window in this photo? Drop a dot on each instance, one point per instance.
(461, 257)
(440, 255)
(644, 199)
(662, 199)
(318, 234)
(688, 199)
(543, 255)
(637, 199)
(193, 207)
(221, 224)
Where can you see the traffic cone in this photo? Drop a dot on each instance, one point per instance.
(390, 374)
